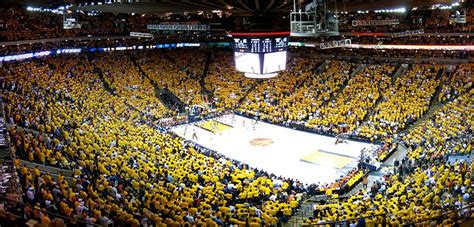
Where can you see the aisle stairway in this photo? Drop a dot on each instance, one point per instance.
(210, 57)
(112, 91)
(167, 98)
(401, 69)
(105, 84)
(68, 174)
(322, 67)
(435, 97)
(303, 213)
(245, 95)
(336, 94)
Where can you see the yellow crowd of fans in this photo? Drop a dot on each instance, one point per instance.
(62, 114)
(404, 102)
(432, 187)
(226, 84)
(298, 93)
(353, 103)
(449, 131)
(135, 171)
(457, 82)
(419, 196)
(125, 79)
(177, 70)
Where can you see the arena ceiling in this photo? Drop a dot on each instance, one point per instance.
(177, 6)
(242, 7)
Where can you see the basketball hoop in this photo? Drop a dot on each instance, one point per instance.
(313, 20)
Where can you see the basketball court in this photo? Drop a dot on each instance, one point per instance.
(308, 157)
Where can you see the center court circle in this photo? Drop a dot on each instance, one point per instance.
(261, 142)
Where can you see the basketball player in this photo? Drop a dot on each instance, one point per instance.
(214, 127)
(219, 118)
(194, 134)
(255, 123)
(185, 130)
(338, 140)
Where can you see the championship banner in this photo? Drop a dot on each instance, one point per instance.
(356, 23)
(334, 44)
(179, 27)
(71, 23)
(368, 34)
(408, 33)
(140, 34)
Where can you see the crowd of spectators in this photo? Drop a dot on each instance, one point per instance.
(19, 24)
(425, 185)
(124, 78)
(288, 97)
(424, 193)
(413, 40)
(388, 39)
(98, 115)
(178, 70)
(447, 132)
(405, 101)
(353, 103)
(458, 81)
(125, 171)
(226, 85)
(398, 55)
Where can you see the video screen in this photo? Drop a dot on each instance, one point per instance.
(241, 44)
(260, 45)
(247, 62)
(274, 62)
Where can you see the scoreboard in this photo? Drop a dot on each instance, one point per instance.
(260, 55)
(260, 45)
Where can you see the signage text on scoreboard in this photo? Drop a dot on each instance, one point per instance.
(260, 45)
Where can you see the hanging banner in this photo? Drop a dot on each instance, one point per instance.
(334, 44)
(356, 23)
(71, 23)
(141, 34)
(408, 33)
(179, 27)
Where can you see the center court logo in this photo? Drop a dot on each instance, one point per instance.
(261, 142)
